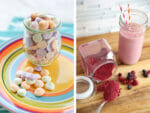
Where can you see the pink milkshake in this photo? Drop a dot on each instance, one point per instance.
(131, 38)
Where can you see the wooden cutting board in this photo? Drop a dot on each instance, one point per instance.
(136, 100)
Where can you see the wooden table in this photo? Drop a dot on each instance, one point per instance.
(136, 100)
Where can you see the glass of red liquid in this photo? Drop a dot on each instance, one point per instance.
(97, 60)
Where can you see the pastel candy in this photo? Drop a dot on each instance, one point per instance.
(34, 76)
(46, 78)
(50, 55)
(29, 42)
(55, 45)
(44, 72)
(34, 25)
(42, 44)
(19, 73)
(41, 52)
(38, 19)
(47, 36)
(37, 37)
(28, 22)
(14, 88)
(24, 85)
(43, 25)
(30, 81)
(39, 83)
(38, 68)
(50, 86)
(17, 81)
(49, 47)
(21, 92)
(52, 25)
(29, 69)
(39, 92)
(34, 16)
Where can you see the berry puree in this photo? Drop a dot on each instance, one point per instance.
(97, 59)
(111, 90)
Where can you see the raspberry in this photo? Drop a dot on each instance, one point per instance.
(135, 82)
(148, 71)
(134, 77)
(129, 82)
(133, 72)
(124, 81)
(120, 78)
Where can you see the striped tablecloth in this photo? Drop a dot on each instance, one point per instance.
(16, 28)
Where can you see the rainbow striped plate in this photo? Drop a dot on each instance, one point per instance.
(60, 100)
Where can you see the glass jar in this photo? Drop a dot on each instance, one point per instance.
(97, 60)
(131, 36)
(41, 46)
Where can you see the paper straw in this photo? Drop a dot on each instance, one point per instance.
(124, 17)
(129, 13)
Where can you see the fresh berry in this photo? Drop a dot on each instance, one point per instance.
(129, 86)
(119, 74)
(148, 71)
(124, 81)
(133, 72)
(120, 77)
(130, 76)
(135, 82)
(145, 73)
(130, 82)
(134, 77)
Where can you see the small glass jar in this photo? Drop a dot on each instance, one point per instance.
(97, 60)
(41, 46)
(131, 36)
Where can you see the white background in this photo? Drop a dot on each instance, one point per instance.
(102, 16)
(11, 8)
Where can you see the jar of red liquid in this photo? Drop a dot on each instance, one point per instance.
(97, 60)
(131, 36)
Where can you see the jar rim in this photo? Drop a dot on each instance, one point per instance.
(134, 10)
(43, 31)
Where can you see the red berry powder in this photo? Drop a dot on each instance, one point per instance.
(111, 90)
(104, 72)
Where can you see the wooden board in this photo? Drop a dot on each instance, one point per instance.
(136, 100)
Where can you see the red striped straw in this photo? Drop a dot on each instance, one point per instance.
(123, 14)
(129, 13)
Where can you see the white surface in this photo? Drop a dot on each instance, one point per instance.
(102, 16)
(11, 8)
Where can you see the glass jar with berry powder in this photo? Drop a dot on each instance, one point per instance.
(42, 41)
(97, 60)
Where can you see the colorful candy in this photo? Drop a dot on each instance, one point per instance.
(44, 72)
(29, 69)
(21, 92)
(43, 25)
(50, 86)
(24, 85)
(18, 73)
(38, 68)
(39, 92)
(17, 81)
(30, 81)
(14, 88)
(46, 78)
(39, 83)
(37, 38)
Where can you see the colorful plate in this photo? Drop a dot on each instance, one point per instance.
(12, 58)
